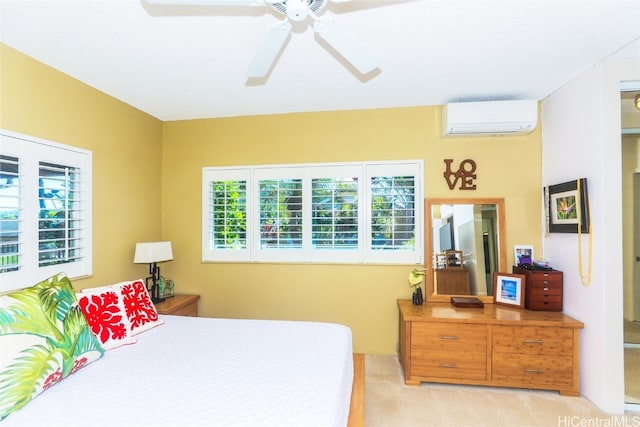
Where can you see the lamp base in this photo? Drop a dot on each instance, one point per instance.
(157, 300)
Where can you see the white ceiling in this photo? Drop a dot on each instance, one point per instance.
(181, 62)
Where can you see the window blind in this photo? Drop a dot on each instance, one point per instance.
(45, 210)
(357, 212)
(10, 206)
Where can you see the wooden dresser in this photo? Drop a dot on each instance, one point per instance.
(179, 305)
(495, 346)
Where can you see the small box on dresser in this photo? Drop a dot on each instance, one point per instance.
(543, 290)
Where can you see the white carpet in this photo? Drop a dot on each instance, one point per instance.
(390, 403)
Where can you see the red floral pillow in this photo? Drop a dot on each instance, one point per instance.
(140, 310)
(107, 318)
(138, 307)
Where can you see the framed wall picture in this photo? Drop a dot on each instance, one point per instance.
(563, 202)
(508, 289)
(523, 254)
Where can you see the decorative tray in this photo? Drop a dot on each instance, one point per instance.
(467, 302)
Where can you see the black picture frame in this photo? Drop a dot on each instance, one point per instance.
(562, 207)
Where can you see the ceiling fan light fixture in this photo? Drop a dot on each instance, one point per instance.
(636, 101)
(297, 10)
(339, 40)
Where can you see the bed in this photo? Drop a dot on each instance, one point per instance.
(186, 371)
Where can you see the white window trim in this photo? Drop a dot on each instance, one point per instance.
(30, 151)
(307, 171)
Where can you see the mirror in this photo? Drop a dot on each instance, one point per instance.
(464, 246)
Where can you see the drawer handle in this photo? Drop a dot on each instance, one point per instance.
(449, 365)
(448, 337)
(533, 341)
(534, 371)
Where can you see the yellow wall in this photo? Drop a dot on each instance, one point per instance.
(147, 186)
(362, 297)
(126, 144)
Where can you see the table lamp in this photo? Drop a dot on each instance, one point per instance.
(152, 253)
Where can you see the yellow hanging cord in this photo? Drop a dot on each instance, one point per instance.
(586, 280)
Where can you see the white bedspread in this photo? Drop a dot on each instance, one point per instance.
(208, 372)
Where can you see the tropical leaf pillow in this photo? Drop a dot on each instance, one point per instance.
(44, 337)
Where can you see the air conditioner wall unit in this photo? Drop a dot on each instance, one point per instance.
(489, 118)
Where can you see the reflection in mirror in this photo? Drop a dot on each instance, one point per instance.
(464, 245)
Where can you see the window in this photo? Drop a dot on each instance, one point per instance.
(9, 213)
(368, 212)
(45, 210)
(59, 214)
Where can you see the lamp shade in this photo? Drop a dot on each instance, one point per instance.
(149, 252)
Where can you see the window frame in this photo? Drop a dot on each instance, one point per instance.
(364, 254)
(31, 152)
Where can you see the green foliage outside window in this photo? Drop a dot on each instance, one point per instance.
(393, 212)
(229, 206)
(57, 235)
(334, 213)
(281, 213)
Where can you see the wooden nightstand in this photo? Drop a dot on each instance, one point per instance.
(179, 305)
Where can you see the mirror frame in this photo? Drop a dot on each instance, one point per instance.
(428, 242)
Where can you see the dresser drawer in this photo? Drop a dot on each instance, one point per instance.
(545, 304)
(542, 278)
(179, 305)
(545, 290)
(529, 371)
(544, 297)
(448, 337)
(450, 364)
(544, 293)
(532, 340)
(189, 311)
(449, 350)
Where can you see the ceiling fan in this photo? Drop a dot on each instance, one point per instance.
(295, 11)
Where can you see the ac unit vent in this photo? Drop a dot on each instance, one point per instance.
(490, 118)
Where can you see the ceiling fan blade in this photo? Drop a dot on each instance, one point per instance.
(346, 45)
(209, 2)
(367, 4)
(268, 52)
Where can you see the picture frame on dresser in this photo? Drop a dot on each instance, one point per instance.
(523, 254)
(509, 289)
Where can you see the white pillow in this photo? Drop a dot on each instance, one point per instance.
(138, 307)
(107, 318)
